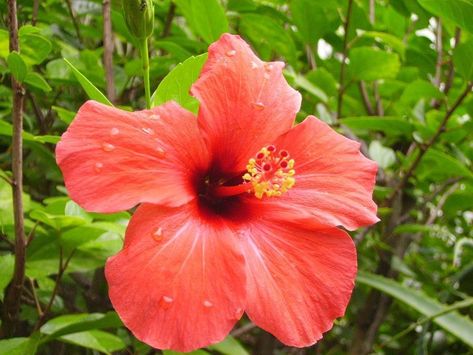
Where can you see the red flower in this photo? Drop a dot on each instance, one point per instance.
(239, 209)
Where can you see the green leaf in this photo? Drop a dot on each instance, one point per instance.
(302, 82)
(96, 340)
(196, 352)
(437, 162)
(367, 63)
(57, 222)
(457, 325)
(34, 47)
(7, 264)
(229, 346)
(385, 157)
(392, 41)
(420, 89)
(314, 19)
(89, 88)
(65, 116)
(19, 346)
(462, 59)
(268, 36)
(206, 18)
(176, 85)
(458, 11)
(37, 81)
(391, 126)
(73, 323)
(6, 203)
(17, 66)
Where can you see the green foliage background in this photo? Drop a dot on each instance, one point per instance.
(404, 92)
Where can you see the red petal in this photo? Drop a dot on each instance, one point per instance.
(245, 103)
(299, 281)
(113, 159)
(179, 282)
(334, 181)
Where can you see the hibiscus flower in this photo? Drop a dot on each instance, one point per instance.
(239, 210)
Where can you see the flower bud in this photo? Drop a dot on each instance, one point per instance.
(139, 16)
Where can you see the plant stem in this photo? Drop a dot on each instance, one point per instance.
(341, 80)
(458, 305)
(145, 62)
(108, 50)
(424, 148)
(11, 306)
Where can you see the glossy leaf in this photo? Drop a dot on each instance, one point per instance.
(206, 17)
(37, 81)
(89, 88)
(370, 64)
(176, 85)
(17, 66)
(458, 325)
(458, 11)
(388, 125)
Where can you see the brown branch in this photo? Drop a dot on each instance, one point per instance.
(341, 79)
(108, 50)
(11, 306)
(35, 297)
(438, 65)
(310, 57)
(439, 50)
(61, 269)
(377, 99)
(168, 21)
(366, 98)
(243, 329)
(38, 114)
(425, 147)
(372, 14)
(35, 12)
(451, 68)
(74, 21)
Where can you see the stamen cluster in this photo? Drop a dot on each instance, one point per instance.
(271, 172)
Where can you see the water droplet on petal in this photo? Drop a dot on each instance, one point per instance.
(166, 302)
(238, 313)
(98, 167)
(254, 65)
(148, 130)
(207, 304)
(158, 234)
(161, 152)
(154, 117)
(231, 53)
(268, 67)
(108, 147)
(259, 105)
(114, 131)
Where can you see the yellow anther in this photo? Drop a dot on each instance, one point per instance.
(271, 172)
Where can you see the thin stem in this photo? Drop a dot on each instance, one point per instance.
(366, 98)
(341, 88)
(424, 148)
(35, 297)
(13, 297)
(108, 49)
(74, 21)
(61, 269)
(145, 61)
(451, 69)
(458, 305)
(169, 18)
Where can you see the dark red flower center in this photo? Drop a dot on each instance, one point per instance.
(270, 173)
